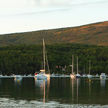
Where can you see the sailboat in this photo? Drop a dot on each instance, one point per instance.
(96, 75)
(41, 75)
(103, 76)
(72, 75)
(77, 75)
(89, 75)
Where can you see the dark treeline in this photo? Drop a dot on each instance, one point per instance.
(23, 59)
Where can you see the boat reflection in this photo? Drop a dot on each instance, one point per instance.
(75, 89)
(40, 83)
(44, 86)
(72, 84)
(89, 86)
(102, 83)
(78, 83)
(18, 80)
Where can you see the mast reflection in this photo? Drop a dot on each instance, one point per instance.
(44, 86)
(72, 84)
(78, 83)
(102, 83)
(75, 89)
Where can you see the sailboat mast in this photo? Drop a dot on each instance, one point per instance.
(77, 64)
(43, 54)
(72, 63)
(89, 66)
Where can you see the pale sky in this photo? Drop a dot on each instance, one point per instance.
(31, 15)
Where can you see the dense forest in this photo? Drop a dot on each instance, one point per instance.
(27, 59)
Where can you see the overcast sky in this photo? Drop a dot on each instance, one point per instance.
(30, 15)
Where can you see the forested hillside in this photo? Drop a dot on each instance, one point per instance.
(92, 34)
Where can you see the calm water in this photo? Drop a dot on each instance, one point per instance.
(56, 93)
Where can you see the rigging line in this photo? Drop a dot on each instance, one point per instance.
(47, 62)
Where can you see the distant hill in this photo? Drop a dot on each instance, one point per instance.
(93, 34)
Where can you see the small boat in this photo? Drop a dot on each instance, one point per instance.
(102, 76)
(97, 76)
(84, 75)
(41, 75)
(89, 76)
(78, 75)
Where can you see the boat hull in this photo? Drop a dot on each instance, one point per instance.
(102, 77)
(84, 76)
(41, 77)
(78, 75)
(89, 76)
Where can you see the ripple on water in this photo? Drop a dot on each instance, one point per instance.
(11, 103)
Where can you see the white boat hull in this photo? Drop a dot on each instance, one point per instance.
(78, 75)
(102, 77)
(89, 76)
(84, 76)
(41, 77)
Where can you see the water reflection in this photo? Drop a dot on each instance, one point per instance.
(73, 81)
(75, 90)
(90, 81)
(43, 84)
(78, 83)
(60, 90)
(40, 83)
(102, 82)
(18, 80)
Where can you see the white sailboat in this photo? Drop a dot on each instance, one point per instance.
(102, 76)
(72, 75)
(42, 75)
(89, 75)
(97, 76)
(77, 75)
